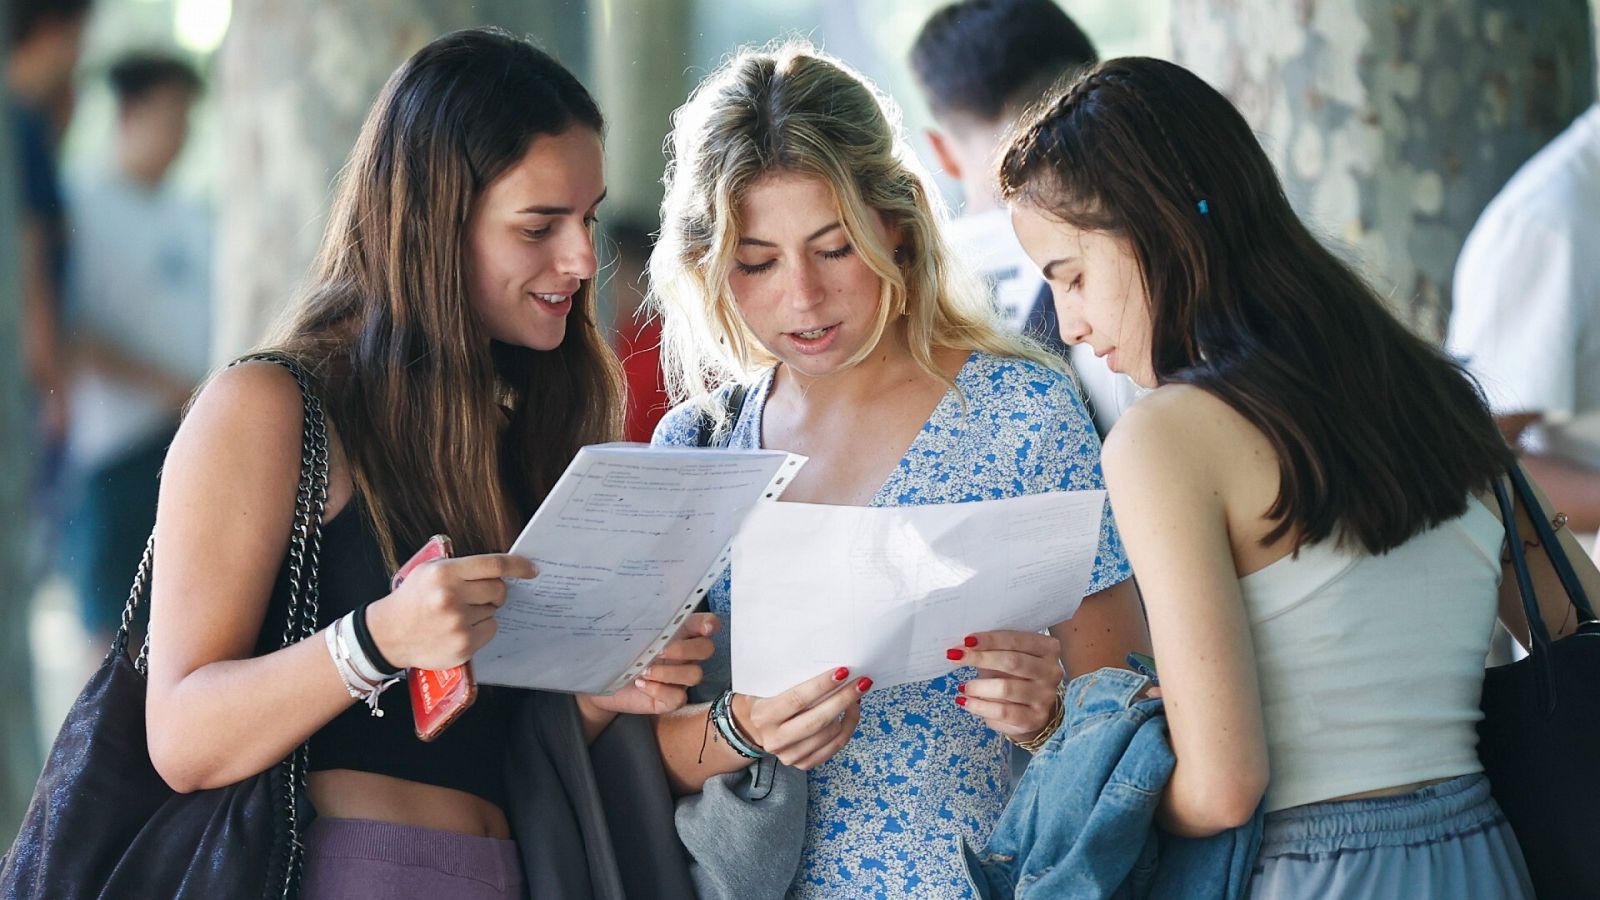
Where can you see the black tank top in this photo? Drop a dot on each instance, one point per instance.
(467, 756)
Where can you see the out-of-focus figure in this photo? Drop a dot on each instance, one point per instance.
(138, 328)
(44, 41)
(980, 63)
(1526, 320)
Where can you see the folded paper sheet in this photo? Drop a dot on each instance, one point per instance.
(628, 542)
(887, 590)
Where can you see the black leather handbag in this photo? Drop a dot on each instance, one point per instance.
(1540, 734)
(103, 823)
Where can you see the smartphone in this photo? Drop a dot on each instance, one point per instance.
(1145, 665)
(438, 696)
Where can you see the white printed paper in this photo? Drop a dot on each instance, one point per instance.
(628, 542)
(887, 591)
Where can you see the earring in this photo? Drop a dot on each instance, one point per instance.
(900, 255)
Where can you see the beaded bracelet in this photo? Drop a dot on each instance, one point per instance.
(722, 716)
(1033, 744)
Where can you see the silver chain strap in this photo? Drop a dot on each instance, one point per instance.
(305, 551)
(305, 554)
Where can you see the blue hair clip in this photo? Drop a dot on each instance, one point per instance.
(1204, 207)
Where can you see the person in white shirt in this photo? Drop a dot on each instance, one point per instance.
(1526, 320)
(138, 329)
(979, 64)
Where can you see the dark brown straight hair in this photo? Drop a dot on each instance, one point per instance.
(1379, 435)
(445, 430)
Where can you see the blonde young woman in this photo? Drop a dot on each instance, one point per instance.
(800, 255)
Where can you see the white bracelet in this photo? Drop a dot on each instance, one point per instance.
(359, 687)
(352, 681)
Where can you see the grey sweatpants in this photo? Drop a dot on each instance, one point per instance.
(1448, 840)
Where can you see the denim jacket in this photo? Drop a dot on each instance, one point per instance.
(1082, 820)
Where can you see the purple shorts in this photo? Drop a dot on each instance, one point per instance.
(356, 859)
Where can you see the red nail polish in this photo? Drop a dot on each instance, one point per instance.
(961, 688)
(970, 641)
(864, 685)
(954, 654)
(961, 701)
(841, 673)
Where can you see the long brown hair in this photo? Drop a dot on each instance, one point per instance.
(442, 434)
(1378, 434)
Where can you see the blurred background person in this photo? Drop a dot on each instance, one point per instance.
(138, 329)
(45, 39)
(979, 64)
(1526, 320)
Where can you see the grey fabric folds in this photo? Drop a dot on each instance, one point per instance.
(744, 830)
(591, 821)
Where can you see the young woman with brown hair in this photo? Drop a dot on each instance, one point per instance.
(450, 330)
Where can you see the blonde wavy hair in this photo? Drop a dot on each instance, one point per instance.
(790, 108)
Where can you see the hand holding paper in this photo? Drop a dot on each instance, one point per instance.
(627, 543)
(1018, 672)
(807, 724)
(663, 685)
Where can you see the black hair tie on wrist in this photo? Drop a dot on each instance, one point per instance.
(370, 646)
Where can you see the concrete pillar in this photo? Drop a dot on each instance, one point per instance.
(641, 74)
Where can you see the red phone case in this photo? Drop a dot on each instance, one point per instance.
(438, 696)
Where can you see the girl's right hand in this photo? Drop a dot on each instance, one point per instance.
(444, 611)
(807, 724)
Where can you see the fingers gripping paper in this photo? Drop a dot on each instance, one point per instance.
(887, 590)
(628, 542)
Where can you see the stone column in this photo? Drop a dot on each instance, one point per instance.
(1393, 122)
(295, 80)
(640, 54)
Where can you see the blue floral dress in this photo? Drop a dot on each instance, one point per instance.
(886, 813)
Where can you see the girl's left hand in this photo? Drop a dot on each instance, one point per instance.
(664, 685)
(1018, 672)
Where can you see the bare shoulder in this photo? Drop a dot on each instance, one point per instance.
(1183, 444)
(258, 390)
(241, 436)
(246, 411)
(226, 505)
(1177, 425)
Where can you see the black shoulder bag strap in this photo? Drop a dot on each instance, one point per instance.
(1539, 634)
(707, 435)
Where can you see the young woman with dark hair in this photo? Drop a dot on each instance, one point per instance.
(450, 330)
(1304, 494)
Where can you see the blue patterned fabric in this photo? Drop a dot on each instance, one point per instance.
(885, 816)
